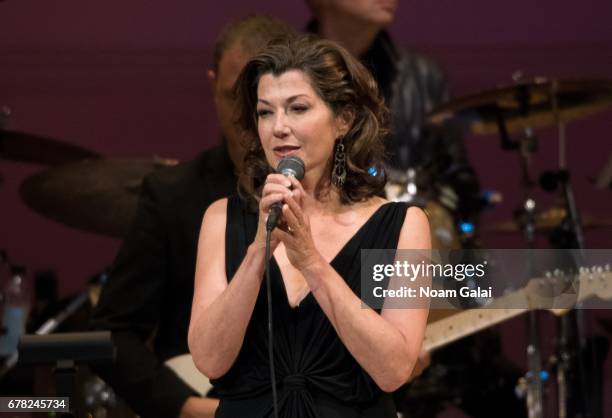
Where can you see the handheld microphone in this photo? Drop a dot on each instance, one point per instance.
(291, 166)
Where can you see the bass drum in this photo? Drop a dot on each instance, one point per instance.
(444, 234)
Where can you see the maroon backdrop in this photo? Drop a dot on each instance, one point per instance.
(127, 79)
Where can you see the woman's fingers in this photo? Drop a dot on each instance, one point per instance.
(296, 184)
(283, 236)
(274, 188)
(275, 184)
(278, 179)
(290, 217)
(267, 201)
(298, 196)
(295, 207)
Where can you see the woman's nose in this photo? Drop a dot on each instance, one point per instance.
(280, 125)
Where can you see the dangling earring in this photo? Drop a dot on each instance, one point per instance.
(339, 169)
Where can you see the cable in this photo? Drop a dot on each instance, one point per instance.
(270, 332)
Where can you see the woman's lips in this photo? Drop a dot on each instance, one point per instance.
(284, 151)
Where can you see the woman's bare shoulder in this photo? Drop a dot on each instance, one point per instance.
(415, 230)
(216, 213)
(416, 215)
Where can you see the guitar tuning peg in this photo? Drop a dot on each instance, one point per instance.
(520, 389)
(607, 267)
(548, 274)
(557, 273)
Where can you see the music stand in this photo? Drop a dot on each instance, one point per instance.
(66, 350)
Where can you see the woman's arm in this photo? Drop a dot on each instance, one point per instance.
(220, 311)
(387, 345)
(215, 302)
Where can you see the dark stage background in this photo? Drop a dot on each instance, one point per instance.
(127, 79)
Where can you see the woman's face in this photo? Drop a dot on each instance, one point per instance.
(293, 120)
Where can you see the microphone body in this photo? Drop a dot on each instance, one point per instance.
(291, 166)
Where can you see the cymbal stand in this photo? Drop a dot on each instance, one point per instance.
(563, 176)
(534, 360)
(533, 376)
(571, 324)
(526, 146)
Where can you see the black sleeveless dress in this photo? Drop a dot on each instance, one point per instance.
(316, 375)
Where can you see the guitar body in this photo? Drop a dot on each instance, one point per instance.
(185, 368)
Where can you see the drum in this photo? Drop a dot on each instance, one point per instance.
(444, 233)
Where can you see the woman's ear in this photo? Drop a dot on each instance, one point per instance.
(344, 122)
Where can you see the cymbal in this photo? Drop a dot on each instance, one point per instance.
(28, 148)
(98, 196)
(552, 218)
(530, 104)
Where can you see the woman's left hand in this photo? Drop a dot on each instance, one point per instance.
(296, 234)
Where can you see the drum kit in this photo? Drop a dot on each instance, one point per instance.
(82, 189)
(514, 110)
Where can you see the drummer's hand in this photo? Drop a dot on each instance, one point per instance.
(196, 407)
(423, 362)
(276, 189)
(295, 234)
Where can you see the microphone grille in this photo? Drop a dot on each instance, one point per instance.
(292, 165)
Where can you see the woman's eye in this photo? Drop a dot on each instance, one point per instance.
(299, 108)
(262, 113)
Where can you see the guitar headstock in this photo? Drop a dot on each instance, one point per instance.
(560, 291)
(596, 281)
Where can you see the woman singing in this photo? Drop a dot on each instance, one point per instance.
(333, 358)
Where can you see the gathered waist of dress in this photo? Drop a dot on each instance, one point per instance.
(297, 400)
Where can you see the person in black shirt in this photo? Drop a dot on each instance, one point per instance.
(148, 295)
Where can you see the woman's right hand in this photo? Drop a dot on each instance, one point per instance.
(276, 189)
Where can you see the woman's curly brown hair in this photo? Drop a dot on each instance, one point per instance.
(345, 85)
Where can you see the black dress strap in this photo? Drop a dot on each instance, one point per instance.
(240, 229)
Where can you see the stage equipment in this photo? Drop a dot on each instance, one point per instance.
(98, 196)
